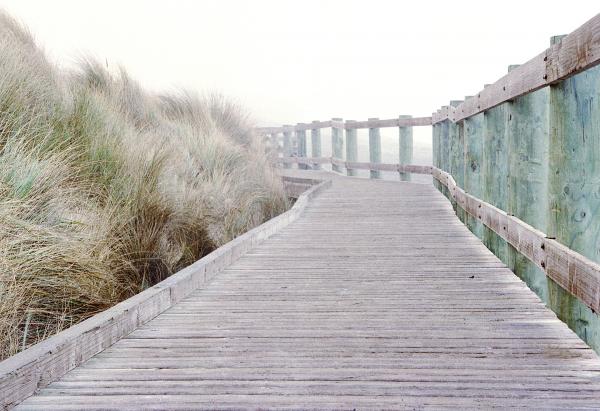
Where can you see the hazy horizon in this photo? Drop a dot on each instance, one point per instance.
(290, 62)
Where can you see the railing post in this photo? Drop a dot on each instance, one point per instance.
(574, 187)
(474, 128)
(528, 176)
(315, 142)
(496, 172)
(301, 143)
(287, 144)
(405, 147)
(435, 148)
(374, 148)
(351, 147)
(337, 142)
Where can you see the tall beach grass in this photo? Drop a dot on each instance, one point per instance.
(106, 189)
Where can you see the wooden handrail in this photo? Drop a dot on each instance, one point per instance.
(350, 125)
(575, 53)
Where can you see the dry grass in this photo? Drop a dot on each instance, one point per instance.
(106, 189)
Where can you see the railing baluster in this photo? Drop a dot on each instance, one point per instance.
(315, 142)
(337, 142)
(301, 144)
(374, 148)
(351, 148)
(405, 147)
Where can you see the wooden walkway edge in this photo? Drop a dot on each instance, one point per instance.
(377, 296)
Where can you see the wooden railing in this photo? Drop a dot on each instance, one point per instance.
(519, 160)
(295, 136)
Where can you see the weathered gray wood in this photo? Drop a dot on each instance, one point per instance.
(363, 302)
(337, 142)
(315, 140)
(351, 148)
(405, 146)
(374, 147)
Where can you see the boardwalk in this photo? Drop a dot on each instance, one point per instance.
(377, 297)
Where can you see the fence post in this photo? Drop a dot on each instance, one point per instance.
(351, 147)
(315, 142)
(435, 148)
(474, 127)
(301, 144)
(574, 187)
(445, 150)
(374, 148)
(337, 142)
(405, 147)
(287, 144)
(496, 172)
(455, 151)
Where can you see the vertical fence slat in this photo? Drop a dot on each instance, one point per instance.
(474, 128)
(337, 144)
(496, 172)
(374, 149)
(351, 147)
(574, 186)
(528, 175)
(435, 155)
(315, 143)
(405, 147)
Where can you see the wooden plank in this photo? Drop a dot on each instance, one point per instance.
(393, 122)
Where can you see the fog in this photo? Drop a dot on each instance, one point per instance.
(297, 61)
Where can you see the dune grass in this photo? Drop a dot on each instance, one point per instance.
(106, 189)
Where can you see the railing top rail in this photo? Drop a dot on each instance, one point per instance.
(402, 121)
(568, 56)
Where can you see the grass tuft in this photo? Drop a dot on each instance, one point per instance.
(106, 189)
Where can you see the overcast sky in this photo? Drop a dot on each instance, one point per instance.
(294, 61)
